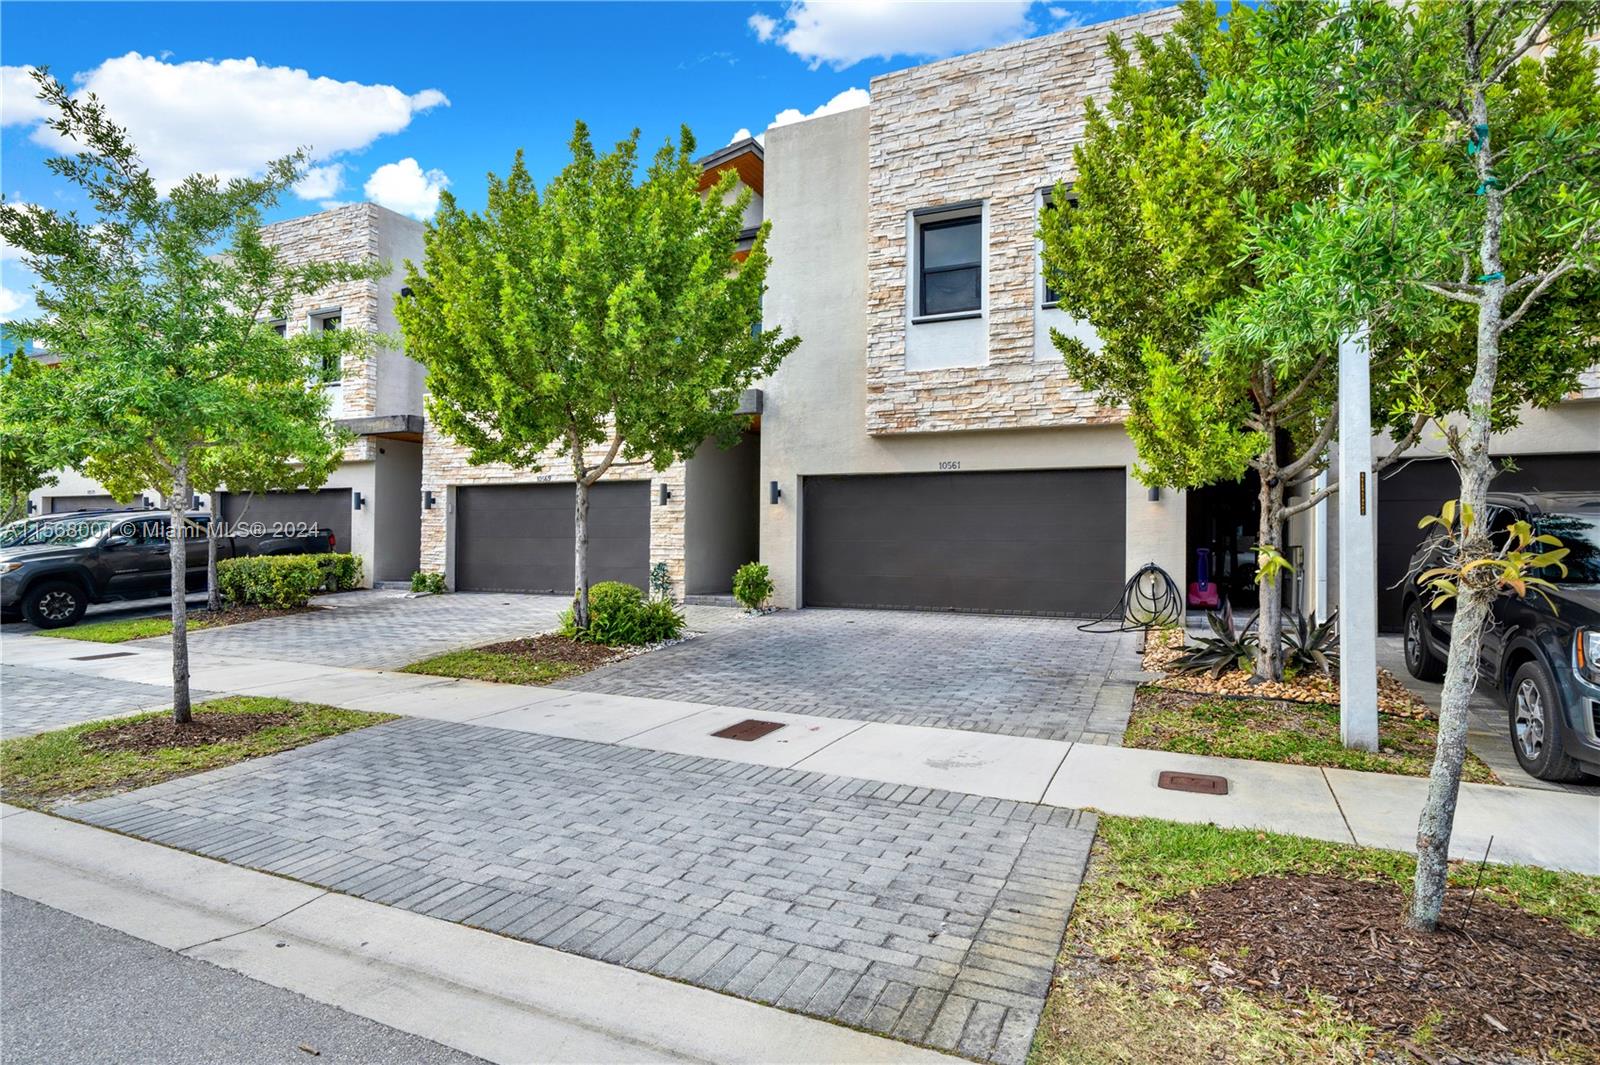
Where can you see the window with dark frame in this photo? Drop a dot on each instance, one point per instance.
(332, 371)
(950, 262)
(1051, 296)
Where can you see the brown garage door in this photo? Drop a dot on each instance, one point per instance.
(1417, 489)
(519, 538)
(328, 509)
(1030, 542)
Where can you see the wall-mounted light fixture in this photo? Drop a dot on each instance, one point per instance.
(196, 504)
(427, 501)
(357, 500)
(774, 493)
(31, 507)
(406, 292)
(666, 493)
(1155, 495)
(144, 501)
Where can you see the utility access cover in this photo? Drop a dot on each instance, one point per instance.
(748, 730)
(1200, 783)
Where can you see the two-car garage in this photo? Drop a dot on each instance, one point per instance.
(1024, 541)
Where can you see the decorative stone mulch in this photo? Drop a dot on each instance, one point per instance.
(1163, 648)
(1492, 982)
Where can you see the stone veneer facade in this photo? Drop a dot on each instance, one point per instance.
(445, 466)
(345, 234)
(995, 126)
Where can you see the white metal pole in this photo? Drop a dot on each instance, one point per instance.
(1358, 582)
(1319, 547)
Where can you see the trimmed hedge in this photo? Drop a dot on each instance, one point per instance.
(279, 582)
(432, 583)
(340, 572)
(620, 615)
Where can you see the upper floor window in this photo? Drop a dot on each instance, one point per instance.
(281, 328)
(950, 265)
(1047, 203)
(332, 371)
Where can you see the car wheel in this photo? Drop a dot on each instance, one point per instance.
(54, 604)
(1421, 661)
(1536, 726)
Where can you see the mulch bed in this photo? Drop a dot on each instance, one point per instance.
(202, 730)
(1164, 647)
(237, 615)
(1492, 982)
(551, 647)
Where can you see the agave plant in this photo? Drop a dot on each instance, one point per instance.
(1226, 649)
(1308, 647)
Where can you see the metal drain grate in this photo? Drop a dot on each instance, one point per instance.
(748, 730)
(109, 654)
(1199, 783)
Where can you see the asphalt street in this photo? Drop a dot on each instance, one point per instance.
(73, 992)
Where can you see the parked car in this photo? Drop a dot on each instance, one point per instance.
(52, 568)
(1541, 659)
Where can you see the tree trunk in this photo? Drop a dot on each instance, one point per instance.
(1269, 622)
(178, 556)
(213, 591)
(580, 555)
(1476, 591)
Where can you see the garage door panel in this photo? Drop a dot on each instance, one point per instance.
(327, 509)
(520, 538)
(1024, 541)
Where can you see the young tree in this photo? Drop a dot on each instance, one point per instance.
(289, 444)
(26, 460)
(159, 308)
(608, 313)
(1150, 246)
(1463, 148)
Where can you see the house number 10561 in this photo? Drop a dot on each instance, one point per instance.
(950, 464)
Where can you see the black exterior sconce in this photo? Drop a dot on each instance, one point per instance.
(357, 500)
(427, 501)
(196, 504)
(666, 494)
(1155, 495)
(31, 506)
(774, 493)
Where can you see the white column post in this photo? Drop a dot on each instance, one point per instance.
(1319, 548)
(1358, 583)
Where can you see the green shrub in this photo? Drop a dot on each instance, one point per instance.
(432, 583)
(620, 615)
(279, 582)
(340, 573)
(752, 585)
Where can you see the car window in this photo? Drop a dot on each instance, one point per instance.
(1579, 532)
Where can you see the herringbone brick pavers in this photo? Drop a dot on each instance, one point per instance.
(929, 916)
(1020, 676)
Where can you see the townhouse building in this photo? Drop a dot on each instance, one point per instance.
(372, 500)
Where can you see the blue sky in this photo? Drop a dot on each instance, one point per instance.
(400, 100)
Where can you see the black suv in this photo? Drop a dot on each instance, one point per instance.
(1543, 661)
(52, 568)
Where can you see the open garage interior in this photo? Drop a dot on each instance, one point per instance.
(1413, 490)
(1046, 542)
(327, 509)
(721, 523)
(519, 537)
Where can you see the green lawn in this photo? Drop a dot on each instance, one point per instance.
(1121, 996)
(121, 631)
(36, 770)
(1268, 730)
(489, 665)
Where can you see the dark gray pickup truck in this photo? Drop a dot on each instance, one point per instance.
(52, 568)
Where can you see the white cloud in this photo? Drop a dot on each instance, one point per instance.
(843, 34)
(764, 25)
(407, 188)
(320, 182)
(16, 303)
(844, 101)
(19, 101)
(229, 117)
(740, 134)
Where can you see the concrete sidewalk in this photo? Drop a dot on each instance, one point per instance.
(483, 994)
(1550, 829)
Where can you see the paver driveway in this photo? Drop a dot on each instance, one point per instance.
(926, 915)
(1020, 676)
(384, 629)
(36, 699)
